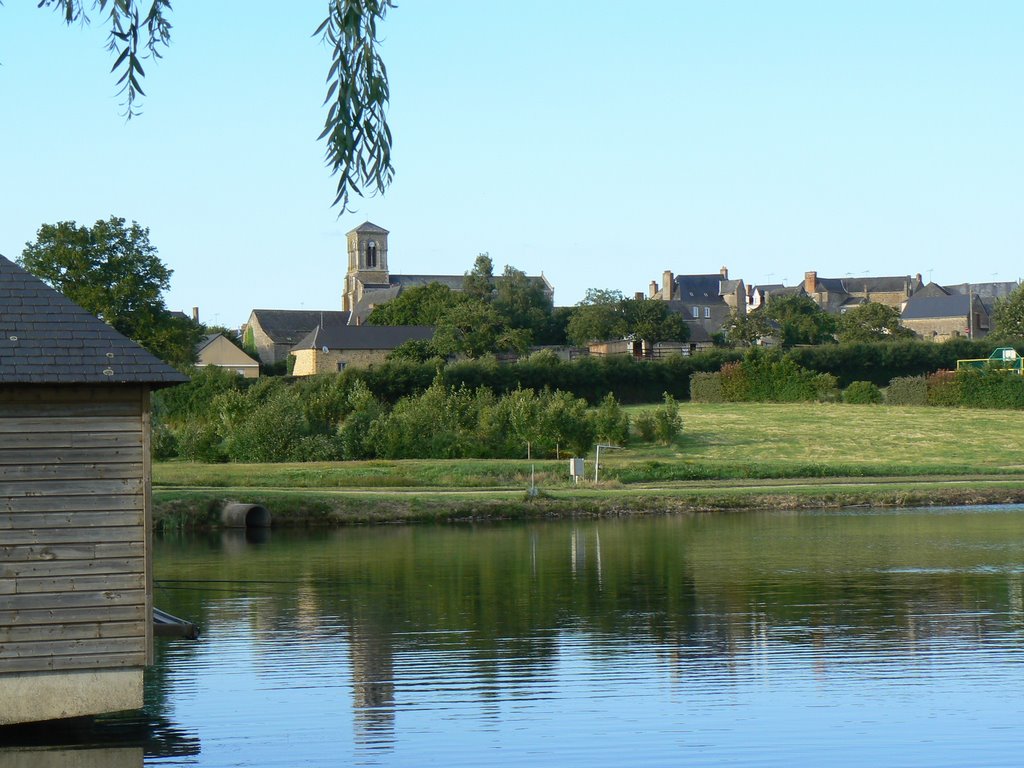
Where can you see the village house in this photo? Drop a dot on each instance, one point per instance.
(334, 348)
(76, 595)
(936, 314)
(837, 295)
(707, 301)
(271, 333)
(217, 350)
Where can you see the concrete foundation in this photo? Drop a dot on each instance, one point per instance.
(35, 697)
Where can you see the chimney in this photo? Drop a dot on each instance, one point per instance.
(811, 282)
(724, 271)
(653, 289)
(918, 277)
(666, 285)
(195, 314)
(639, 295)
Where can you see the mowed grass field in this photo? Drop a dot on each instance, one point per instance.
(719, 442)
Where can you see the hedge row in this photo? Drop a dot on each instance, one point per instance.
(323, 419)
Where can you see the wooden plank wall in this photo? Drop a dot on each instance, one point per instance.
(74, 586)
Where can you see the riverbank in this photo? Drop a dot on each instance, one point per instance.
(729, 456)
(200, 508)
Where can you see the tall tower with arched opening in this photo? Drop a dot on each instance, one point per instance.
(367, 262)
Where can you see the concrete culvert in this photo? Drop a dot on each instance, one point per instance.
(236, 515)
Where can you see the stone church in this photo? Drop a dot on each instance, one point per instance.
(369, 282)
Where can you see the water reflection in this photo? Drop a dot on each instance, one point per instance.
(758, 638)
(119, 741)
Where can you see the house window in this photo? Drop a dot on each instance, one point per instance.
(707, 311)
(341, 366)
(371, 254)
(696, 312)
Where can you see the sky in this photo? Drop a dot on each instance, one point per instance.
(600, 143)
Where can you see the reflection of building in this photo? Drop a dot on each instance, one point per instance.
(373, 685)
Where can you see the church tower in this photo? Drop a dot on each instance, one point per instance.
(367, 262)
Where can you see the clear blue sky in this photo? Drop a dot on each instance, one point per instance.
(600, 142)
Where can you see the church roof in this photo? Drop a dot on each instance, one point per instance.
(287, 326)
(46, 338)
(364, 336)
(367, 226)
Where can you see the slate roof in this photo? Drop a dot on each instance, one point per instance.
(885, 284)
(925, 307)
(704, 288)
(288, 326)
(206, 341)
(48, 339)
(364, 336)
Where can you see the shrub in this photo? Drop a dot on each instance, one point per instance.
(706, 388)
(163, 443)
(862, 393)
(645, 426)
(733, 382)
(199, 441)
(907, 390)
(611, 422)
(316, 448)
(991, 389)
(266, 433)
(826, 387)
(943, 388)
(667, 422)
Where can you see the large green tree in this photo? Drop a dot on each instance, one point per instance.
(479, 281)
(113, 271)
(522, 302)
(1008, 316)
(356, 132)
(800, 320)
(871, 322)
(652, 321)
(422, 305)
(598, 317)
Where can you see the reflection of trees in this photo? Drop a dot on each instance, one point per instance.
(707, 586)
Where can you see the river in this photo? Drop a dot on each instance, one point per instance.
(827, 638)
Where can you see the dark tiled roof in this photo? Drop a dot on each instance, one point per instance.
(926, 307)
(288, 326)
(206, 341)
(704, 288)
(933, 289)
(48, 339)
(364, 336)
(984, 290)
(890, 284)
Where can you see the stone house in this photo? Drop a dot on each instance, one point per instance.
(271, 333)
(215, 349)
(369, 282)
(707, 301)
(331, 349)
(836, 295)
(933, 314)
(76, 590)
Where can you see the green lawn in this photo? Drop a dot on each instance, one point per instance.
(719, 442)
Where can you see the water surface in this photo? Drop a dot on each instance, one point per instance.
(824, 638)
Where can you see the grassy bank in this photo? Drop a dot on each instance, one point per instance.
(729, 456)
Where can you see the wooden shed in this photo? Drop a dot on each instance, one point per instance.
(75, 507)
